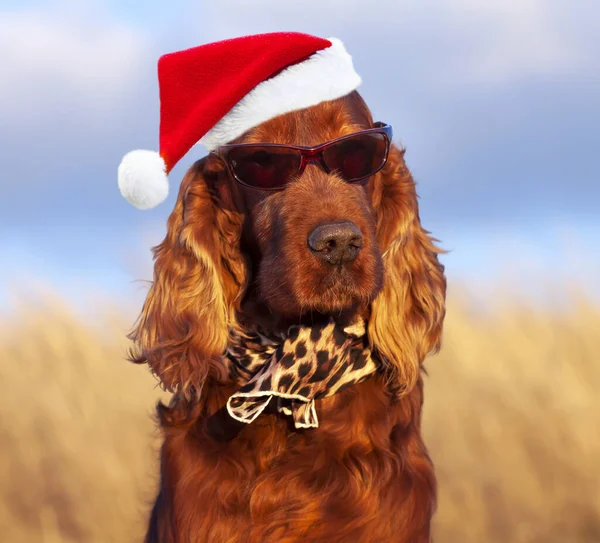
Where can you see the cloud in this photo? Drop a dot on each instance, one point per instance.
(50, 60)
(68, 85)
(503, 41)
(492, 42)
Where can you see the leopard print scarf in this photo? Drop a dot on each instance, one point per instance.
(296, 368)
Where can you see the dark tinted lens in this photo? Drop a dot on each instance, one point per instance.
(357, 157)
(264, 167)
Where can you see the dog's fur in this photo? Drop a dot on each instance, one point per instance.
(234, 256)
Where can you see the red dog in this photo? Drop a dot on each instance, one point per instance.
(320, 248)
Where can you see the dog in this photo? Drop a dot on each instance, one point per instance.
(320, 251)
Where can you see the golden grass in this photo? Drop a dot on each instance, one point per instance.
(512, 420)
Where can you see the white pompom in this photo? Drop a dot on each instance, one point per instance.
(143, 179)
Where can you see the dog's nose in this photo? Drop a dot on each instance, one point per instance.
(336, 243)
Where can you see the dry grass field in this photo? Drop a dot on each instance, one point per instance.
(512, 419)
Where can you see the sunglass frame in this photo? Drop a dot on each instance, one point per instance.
(308, 154)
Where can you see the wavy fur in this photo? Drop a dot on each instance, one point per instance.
(407, 316)
(199, 276)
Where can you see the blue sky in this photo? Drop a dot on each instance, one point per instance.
(497, 103)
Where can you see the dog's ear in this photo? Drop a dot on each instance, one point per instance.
(406, 318)
(199, 280)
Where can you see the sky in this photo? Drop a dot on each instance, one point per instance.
(496, 102)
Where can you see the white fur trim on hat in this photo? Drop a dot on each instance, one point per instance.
(143, 179)
(326, 75)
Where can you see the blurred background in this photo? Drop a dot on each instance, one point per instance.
(498, 105)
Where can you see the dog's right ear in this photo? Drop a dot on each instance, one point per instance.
(199, 279)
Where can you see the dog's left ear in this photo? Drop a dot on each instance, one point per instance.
(406, 318)
(200, 276)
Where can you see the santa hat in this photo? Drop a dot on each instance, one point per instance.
(214, 93)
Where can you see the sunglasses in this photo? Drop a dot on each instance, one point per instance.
(271, 166)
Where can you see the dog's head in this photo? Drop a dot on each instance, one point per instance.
(321, 247)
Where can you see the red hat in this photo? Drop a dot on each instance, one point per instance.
(213, 93)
